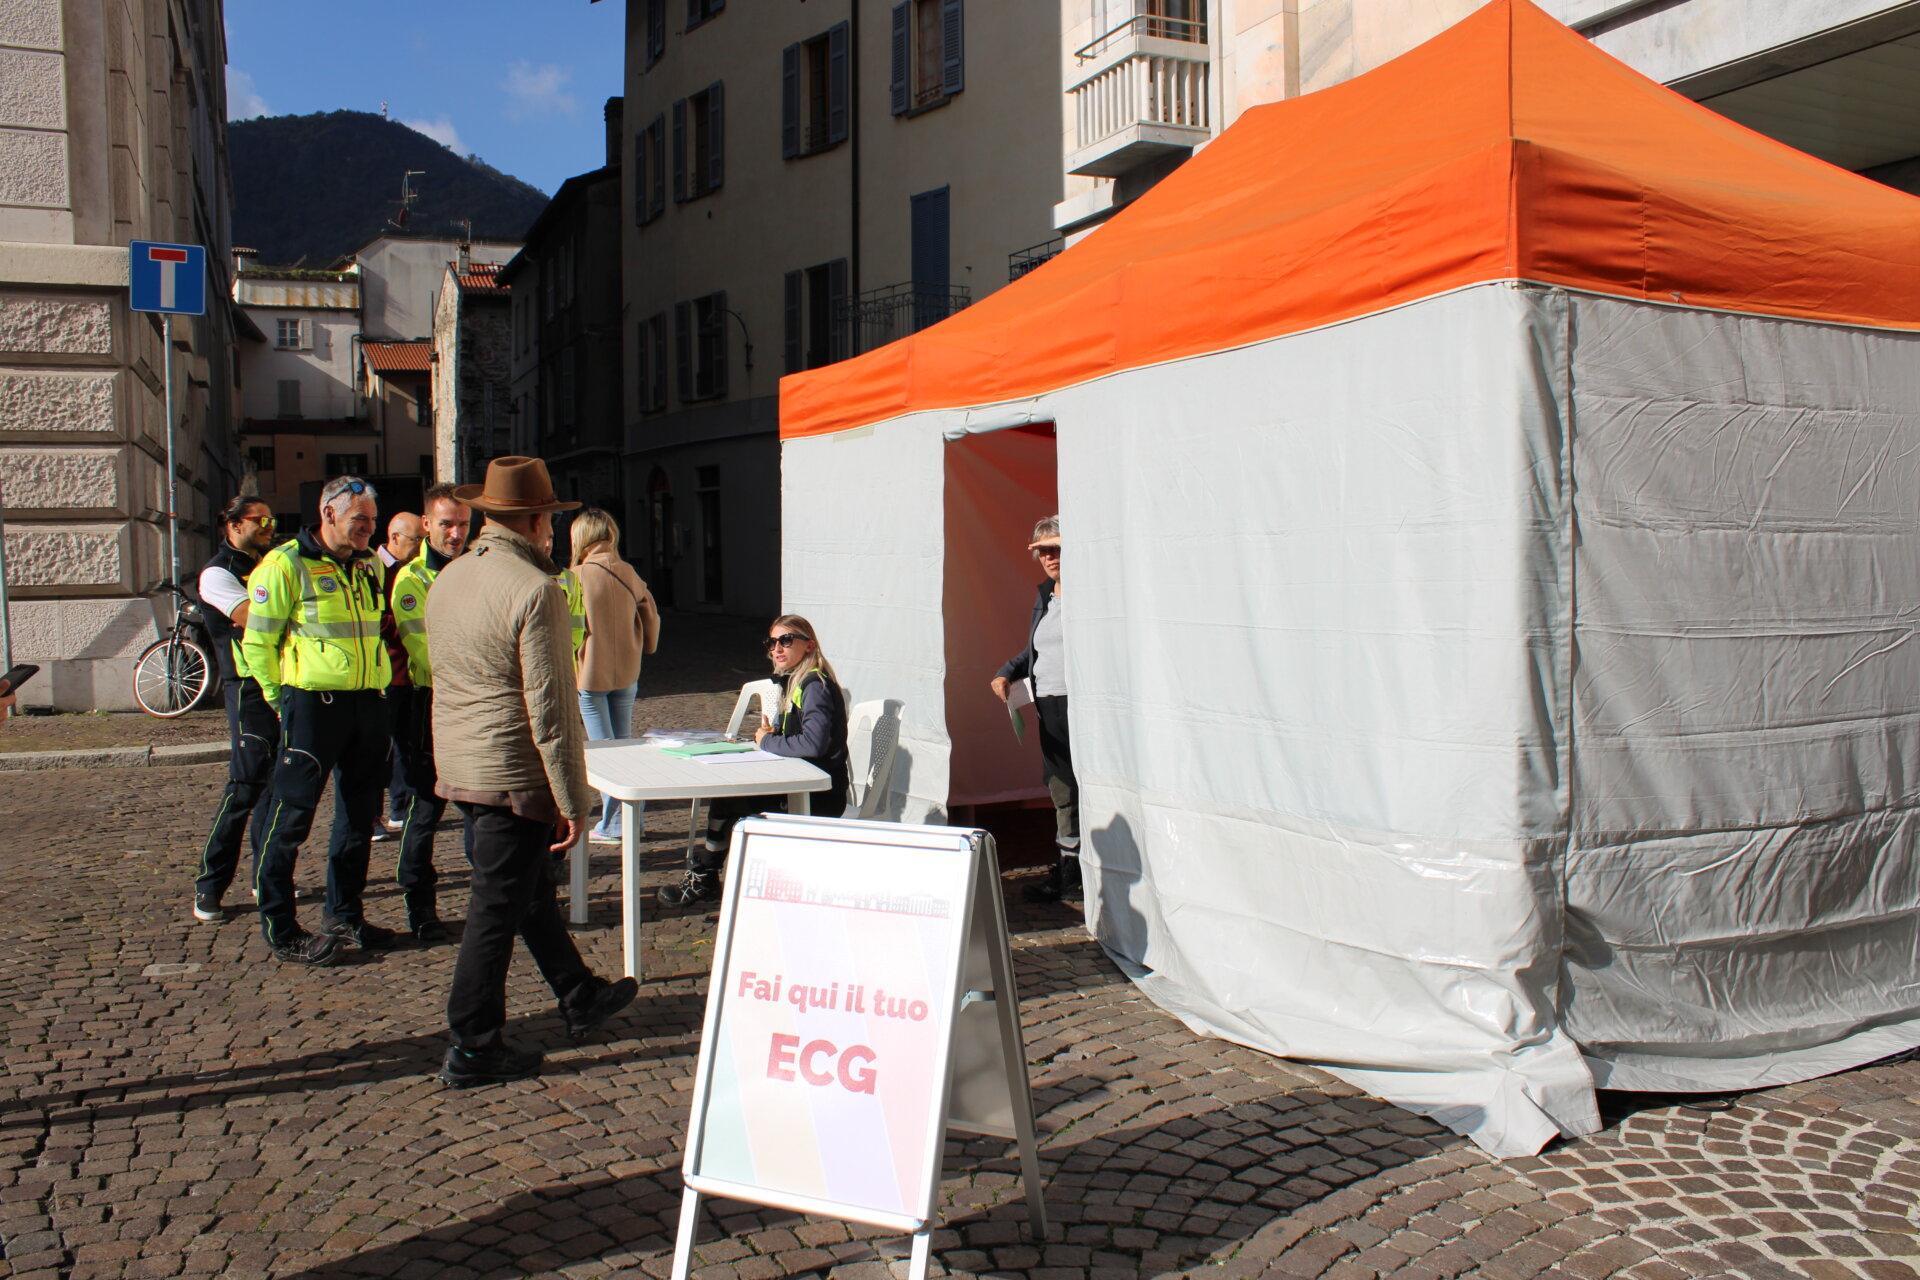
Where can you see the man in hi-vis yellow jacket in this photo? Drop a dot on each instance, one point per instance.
(312, 642)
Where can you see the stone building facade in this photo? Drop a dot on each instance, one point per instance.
(472, 331)
(567, 336)
(112, 128)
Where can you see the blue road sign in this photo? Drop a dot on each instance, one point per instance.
(167, 277)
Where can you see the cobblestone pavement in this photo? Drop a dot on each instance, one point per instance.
(176, 1104)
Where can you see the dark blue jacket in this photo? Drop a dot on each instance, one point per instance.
(815, 730)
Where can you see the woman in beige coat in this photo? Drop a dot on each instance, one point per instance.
(623, 624)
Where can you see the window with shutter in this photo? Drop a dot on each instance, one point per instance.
(716, 135)
(929, 54)
(815, 94)
(817, 327)
(289, 398)
(657, 160)
(656, 32)
(683, 348)
(699, 11)
(660, 362)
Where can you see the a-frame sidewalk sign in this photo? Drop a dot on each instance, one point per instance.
(862, 1005)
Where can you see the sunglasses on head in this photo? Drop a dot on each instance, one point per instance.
(782, 640)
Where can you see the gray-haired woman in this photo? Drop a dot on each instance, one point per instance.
(1043, 664)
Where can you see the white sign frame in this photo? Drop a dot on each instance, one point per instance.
(992, 1095)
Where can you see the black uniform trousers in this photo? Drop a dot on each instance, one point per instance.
(512, 892)
(1056, 770)
(418, 806)
(253, 738)
(343, 734)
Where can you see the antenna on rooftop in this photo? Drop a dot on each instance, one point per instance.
(407, 196)
(383, 109)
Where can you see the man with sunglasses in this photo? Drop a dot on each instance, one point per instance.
(313, 642)
(253, 731)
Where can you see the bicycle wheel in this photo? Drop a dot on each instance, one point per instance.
(171, 677)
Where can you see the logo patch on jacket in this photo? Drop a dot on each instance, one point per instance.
(326, 583)
(259, 595)
(407, 602)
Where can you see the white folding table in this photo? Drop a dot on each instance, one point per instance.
(633, 771)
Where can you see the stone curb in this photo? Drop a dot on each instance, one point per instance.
(114, 757)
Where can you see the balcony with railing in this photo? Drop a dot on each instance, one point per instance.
(1141, 92)
(878, 316)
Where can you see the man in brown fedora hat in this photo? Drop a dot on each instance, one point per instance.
(509, 749)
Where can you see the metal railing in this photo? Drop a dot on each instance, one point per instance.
(1021, 261)
(879, 316)
(1193, 30)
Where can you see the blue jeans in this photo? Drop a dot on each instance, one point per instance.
(609, 715)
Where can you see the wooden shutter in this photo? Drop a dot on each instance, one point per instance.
(642, 384)
(796, 291)
(720, 343)
(659, 324)
(838, 348)
(656, 30)
(952, 48)
(657, 166)
(716, 135)
(902, 57)
(642, 184)
(683, 347)
(790, 102)
(680, 151)
(839, 88)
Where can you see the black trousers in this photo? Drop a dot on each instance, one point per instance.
(724, 811)
(512, 893)
(253, 739)
(1056, 769)
(414, 798)
(343, 734)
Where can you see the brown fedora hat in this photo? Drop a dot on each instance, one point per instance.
(514, 487)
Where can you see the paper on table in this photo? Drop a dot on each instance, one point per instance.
(1019, 694)
(701, 750)
(736, 757)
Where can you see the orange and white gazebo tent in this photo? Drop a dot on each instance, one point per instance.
(1491, 491)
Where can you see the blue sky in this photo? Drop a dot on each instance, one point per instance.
(520, 85)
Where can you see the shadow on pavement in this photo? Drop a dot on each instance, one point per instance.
(1164, 1192)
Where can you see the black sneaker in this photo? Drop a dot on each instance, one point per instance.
(465, 1068)
(428, 930)
(367, 937)
(607, 999)
(307, 948)
(207, 908)
(1048, 890)
(697, 886)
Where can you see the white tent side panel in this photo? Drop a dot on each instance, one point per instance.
(1743, 890)
(1318, 649)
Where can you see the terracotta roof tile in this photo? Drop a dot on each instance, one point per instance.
(399, 357)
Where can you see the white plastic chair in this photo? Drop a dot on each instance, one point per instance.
(873, 735)
(768, 693)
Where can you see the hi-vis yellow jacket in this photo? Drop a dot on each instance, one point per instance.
(408, 600)
(314, 623)
(576, 611)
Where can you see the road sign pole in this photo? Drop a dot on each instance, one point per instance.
(173, 512)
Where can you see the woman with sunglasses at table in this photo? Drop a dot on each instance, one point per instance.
(812, 726)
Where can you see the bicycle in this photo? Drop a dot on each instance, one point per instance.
(176, 673)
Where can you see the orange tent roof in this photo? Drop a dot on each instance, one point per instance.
(1505, 148)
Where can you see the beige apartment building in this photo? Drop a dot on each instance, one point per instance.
(112, 128)
(804, 182)
(1147, 81)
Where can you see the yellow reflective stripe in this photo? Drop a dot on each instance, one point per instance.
(411, 627)
(361, 630)
(309, 596)
(264, 622)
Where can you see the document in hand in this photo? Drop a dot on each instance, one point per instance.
(1019, 694)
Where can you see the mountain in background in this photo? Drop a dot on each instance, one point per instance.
(311, 189)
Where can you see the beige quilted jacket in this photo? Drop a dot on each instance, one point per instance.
(505, 717)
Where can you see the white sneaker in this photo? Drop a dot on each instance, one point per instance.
(601, 837)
